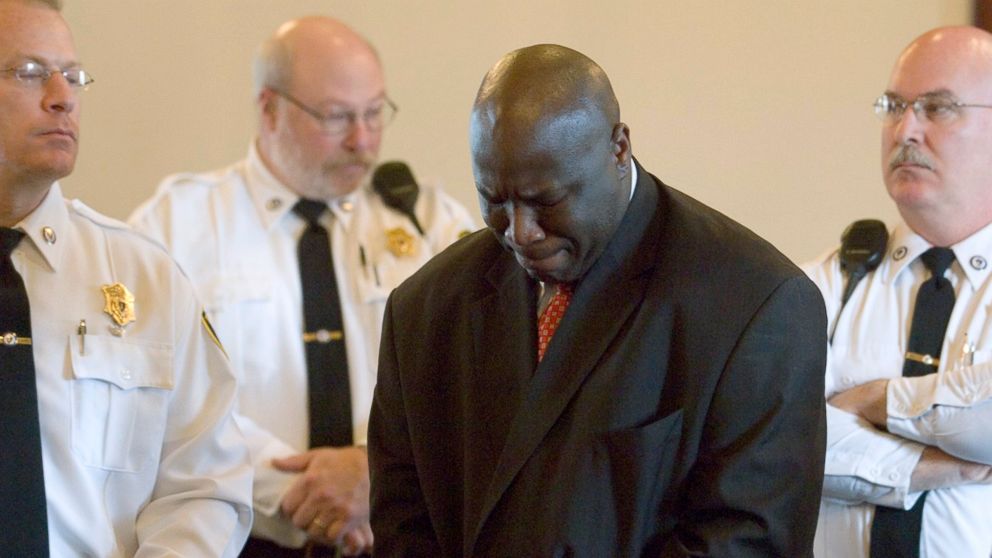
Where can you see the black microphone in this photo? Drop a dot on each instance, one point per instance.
(399, 190)
(862, 247)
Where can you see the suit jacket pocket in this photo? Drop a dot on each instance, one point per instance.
(641, 464)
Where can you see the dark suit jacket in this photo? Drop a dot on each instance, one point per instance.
(678, 411)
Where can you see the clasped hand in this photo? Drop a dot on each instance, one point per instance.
(330, 498)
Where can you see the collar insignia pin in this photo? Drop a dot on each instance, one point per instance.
(48, 233)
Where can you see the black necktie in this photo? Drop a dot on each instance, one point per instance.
(24, 527)
(327, 361)
(896, 533)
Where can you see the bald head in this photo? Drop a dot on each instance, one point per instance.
(936, 165)
(545, 87)
(310, 41)
(953, 52)
(974, 42)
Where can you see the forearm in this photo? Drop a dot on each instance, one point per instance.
(201, 502)
(867, 401)
(937, 469)
(270, 484)
(192, 527)
(867, 465)
(951, 410)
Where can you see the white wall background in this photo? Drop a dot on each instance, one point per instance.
(760, 108)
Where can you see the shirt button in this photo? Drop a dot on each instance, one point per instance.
(848, 380)
(893, 476)
(126, 374)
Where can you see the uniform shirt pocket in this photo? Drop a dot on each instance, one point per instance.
(239, 305)
(227, 289)
(386, 272)
(120, 395)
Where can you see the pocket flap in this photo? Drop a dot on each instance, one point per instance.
(126, 363)
(223, 290)
(386, 271)
(371, 293)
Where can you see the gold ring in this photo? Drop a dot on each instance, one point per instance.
(319, 523)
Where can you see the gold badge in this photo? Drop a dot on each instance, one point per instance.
(120, 306)
(400, 242)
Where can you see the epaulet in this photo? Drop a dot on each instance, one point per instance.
(94, 216)
(99, 219)
(207, 179)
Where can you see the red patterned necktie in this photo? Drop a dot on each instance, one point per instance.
(551, 317)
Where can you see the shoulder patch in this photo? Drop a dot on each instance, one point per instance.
(202, 179)
(209, 328)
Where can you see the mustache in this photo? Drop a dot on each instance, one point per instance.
(367, 160)
(908, 153)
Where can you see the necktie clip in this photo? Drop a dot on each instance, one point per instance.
(925, 359)
(10, 338)
(322, 336)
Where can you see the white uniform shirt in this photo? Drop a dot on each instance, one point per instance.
(140, 451)
(951, 410)
(234, 232)
(865, 466)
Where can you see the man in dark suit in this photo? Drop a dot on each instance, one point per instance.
(678, 409)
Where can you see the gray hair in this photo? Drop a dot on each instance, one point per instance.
(271, 66)
(51, 4)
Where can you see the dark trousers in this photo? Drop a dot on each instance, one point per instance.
(261, 548)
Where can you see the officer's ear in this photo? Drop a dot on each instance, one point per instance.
(268, 102)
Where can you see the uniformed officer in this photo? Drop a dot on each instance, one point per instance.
(117, 404)
(908, 379)
(239, 232)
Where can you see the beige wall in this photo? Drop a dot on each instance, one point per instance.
(761, 109)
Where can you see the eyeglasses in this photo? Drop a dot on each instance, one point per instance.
(375, 117)
(33, 73)
(929, 107)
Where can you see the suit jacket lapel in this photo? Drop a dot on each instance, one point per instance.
(603, 301)
(504, 352)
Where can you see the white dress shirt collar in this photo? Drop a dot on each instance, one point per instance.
(972, 254)
(47, 227)
(273, 199)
